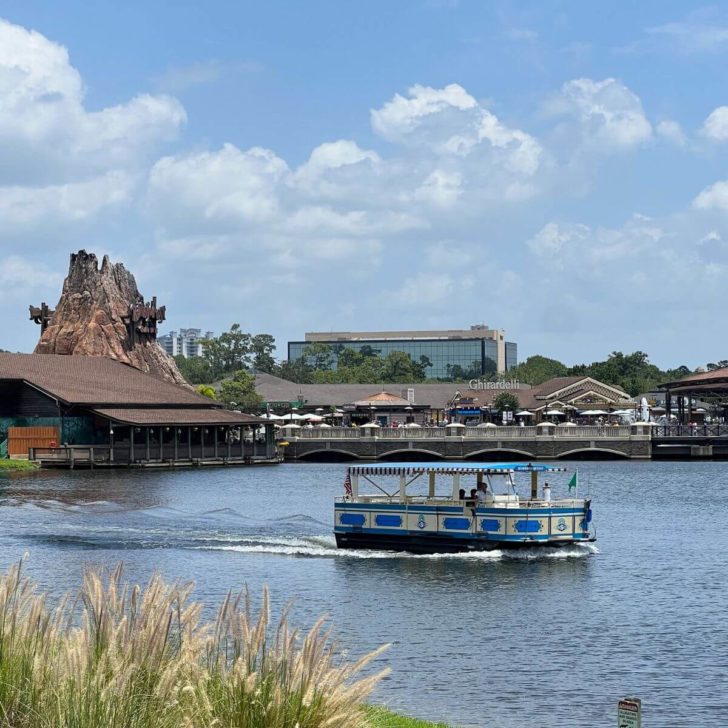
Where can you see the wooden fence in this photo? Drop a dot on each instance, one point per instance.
(21, 439)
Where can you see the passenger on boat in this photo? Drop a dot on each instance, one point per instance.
(461, 494)
(547, 493)
(481, 493)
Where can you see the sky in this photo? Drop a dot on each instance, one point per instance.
(555, 169)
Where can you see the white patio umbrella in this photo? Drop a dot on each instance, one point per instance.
(455, 424)
(553, 413)
(292, 416)
(325, 424)
(292, 426)
(524, 413)
(312, 418)
(412, 424)
(567, 424)
(371, 424)
(487, 424)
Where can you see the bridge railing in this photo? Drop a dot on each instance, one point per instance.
(690, 431)
(470, 433)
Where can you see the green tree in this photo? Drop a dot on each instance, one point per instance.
(538, 369)
(228, 352)
(505, 401)
(239, 392)
(206, 391)
(262, 347)
(319, 355)
(195, 370)
(294, 371)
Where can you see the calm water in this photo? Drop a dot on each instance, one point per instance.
(477, 640)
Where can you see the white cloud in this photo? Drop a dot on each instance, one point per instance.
(216, 191)
(20, 274)
(451, 123)
(607, 114)
(23, 208)
(714, 197)
(46, 134)
(716, 125)
(671, 131)
(696, 34)
(62, 164)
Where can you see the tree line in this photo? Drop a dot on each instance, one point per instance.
(235, 354)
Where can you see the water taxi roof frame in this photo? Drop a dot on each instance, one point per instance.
(453, 469)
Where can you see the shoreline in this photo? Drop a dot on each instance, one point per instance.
(23, 466)
(381, 717)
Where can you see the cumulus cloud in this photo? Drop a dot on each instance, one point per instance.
(451, 123)
(714, 197)
(606, 113)
(716, 125)
(61, 163)
(671, 131)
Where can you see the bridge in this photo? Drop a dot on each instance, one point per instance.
(542, 442)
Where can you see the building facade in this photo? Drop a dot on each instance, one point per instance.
(186, 342)
(95, 412)
(452, 353)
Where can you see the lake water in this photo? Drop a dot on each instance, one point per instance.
(537, 639)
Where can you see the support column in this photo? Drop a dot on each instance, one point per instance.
(456, 486)
(132, 432)
(175, 430)
(215, 440)
(189, 442)
(354, 486)
(146, 435)
(431, 485)
(202, 443)
(534, 484)
(402, 488)
(228, 434)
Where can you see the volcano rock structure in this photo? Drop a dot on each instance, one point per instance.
(101, 313)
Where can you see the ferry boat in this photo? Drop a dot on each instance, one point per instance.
(479, 508)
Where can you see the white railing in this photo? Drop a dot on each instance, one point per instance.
(579, 432)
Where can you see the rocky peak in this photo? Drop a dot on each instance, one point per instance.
(102, 313)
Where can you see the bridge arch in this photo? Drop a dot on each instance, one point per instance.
(414, 455)
(324, 455)
(592, 453)
(502, 455)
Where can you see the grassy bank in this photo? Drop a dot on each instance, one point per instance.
(21, 465)
(118, 656)
(383, 718)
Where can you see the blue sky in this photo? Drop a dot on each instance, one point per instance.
(556, 169)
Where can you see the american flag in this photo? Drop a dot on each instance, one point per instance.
(347, 484)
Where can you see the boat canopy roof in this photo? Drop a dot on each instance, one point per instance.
(452, 468)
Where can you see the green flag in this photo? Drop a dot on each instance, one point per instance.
(573, 482)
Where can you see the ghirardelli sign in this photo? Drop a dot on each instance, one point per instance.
(482, 384)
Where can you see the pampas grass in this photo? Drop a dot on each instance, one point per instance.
(118, 656)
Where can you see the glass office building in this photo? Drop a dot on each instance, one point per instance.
(456, 354)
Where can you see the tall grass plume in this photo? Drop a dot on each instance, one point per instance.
(119, 656)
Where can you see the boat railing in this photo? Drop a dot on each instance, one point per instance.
(500, 501)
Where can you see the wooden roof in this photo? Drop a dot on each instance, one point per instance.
(90, 380)
(176, 416)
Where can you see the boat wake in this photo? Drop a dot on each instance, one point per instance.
(325, 547)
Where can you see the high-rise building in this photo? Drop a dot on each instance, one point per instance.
(452, 353)
(186, 343)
